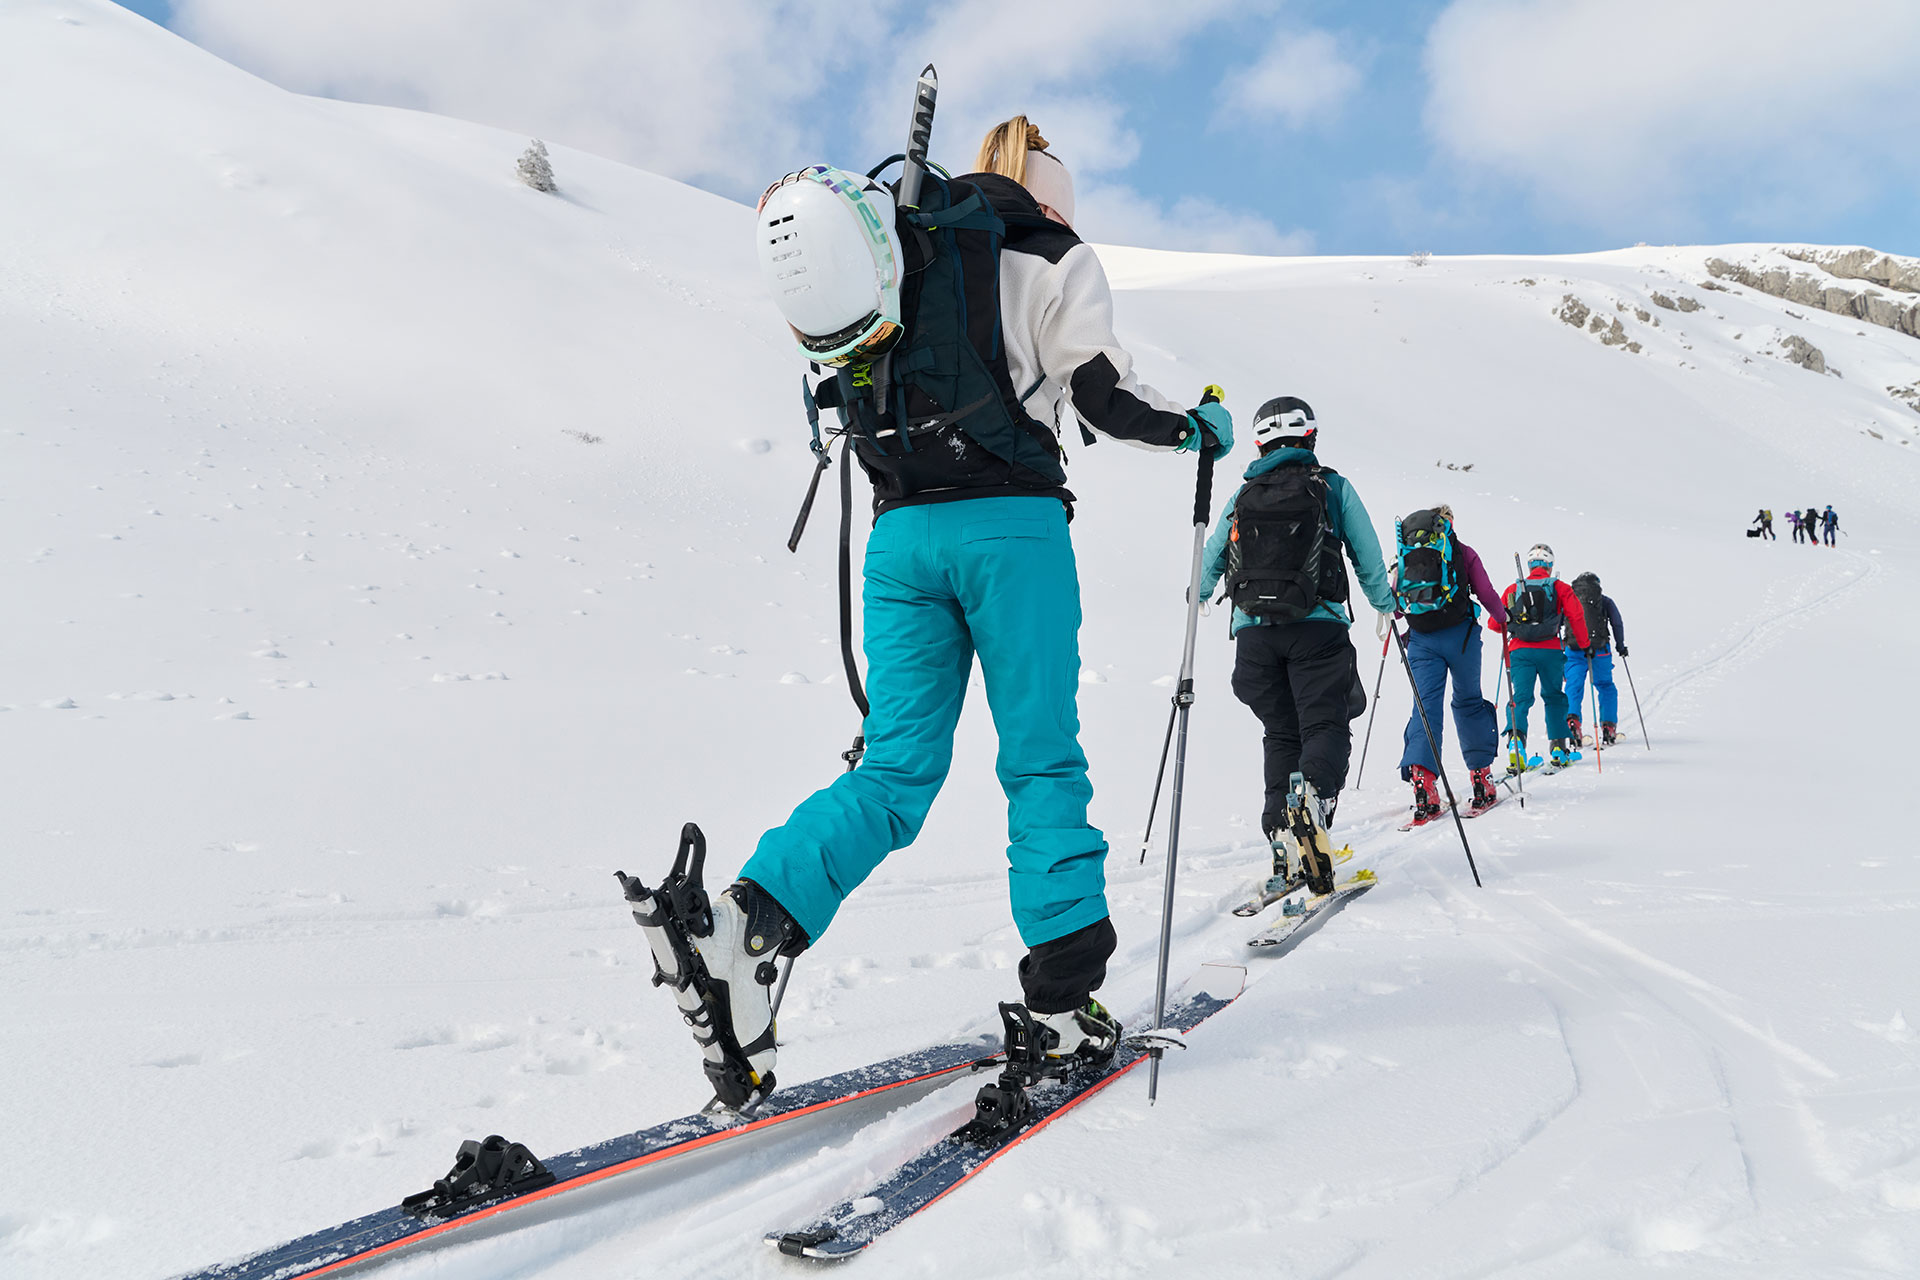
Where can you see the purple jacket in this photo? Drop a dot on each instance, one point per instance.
(1482, 585)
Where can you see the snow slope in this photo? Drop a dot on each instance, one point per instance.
(391, 552)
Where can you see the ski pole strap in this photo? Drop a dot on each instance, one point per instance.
(846, 578)
(1203, 492)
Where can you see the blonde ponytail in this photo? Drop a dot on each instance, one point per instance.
(1004, 149)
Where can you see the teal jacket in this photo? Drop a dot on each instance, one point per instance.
(1349, 519)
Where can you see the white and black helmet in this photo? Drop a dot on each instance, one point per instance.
(1538, 555)
(1284, 417)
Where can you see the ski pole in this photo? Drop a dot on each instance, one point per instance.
(1159, 777)
(1370, 710)
(1438, 765)
(1182, 705)
(1593, 677)
(1636, 701)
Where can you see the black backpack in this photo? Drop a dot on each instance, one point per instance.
(1535, 614)
(939, 411)
(1283, 553)
(1586, 588)
(1427, 573)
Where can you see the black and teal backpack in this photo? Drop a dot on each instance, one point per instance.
(1429, 583)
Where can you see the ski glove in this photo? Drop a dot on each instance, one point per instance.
(1214, 426)
(1381, 624)
(1623, 650)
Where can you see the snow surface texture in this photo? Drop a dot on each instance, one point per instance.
(392, 551)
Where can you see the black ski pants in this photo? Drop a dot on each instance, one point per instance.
(1303, 680)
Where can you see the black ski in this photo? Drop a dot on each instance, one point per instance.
(1002, 1122)
(495, 1177)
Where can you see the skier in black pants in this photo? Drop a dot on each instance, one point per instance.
(1278, 547)
(1812, 521)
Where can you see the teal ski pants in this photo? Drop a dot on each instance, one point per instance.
(944, 581)
(1524, 666)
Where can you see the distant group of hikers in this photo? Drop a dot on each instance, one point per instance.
(1812, 527)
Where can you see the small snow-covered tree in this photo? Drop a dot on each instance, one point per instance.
(535, 170)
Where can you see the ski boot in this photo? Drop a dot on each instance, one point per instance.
(1516, 755)
(1574, 729)
(1426, 800)
(1562, 754)
(1485, 794)
(1608, 733)
(1088, 1034)
(1307, 823)
(718, 957)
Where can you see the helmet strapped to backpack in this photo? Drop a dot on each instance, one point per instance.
(831, 257)
(1428, 582)
(1283, 552)
(1285, 418)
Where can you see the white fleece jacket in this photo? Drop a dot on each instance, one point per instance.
(1057, 320)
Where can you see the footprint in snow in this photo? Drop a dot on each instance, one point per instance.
(60, 704)
(177, 1060)
(1895, 1031)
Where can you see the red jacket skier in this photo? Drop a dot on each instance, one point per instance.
(1537, 609)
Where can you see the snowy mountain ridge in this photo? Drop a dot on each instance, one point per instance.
(394, 551)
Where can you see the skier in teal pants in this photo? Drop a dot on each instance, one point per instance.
(987, 348)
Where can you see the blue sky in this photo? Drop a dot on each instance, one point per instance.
(1364, 126)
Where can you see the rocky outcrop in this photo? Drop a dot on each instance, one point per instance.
(1804, 353)
(1909, 396)
(1870, 265)
(1809, 290)
(1684, 304)
(1573, 311)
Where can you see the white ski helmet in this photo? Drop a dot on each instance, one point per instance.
(1282, 417)
(1540, 554)
(829, 253)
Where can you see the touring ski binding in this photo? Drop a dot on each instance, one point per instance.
(484, 1171)
(671, 917)
(1003, 1104)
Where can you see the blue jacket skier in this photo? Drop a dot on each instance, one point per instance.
(1294, 664)
(1829, 523)
(1604, 631)
(1437, 577)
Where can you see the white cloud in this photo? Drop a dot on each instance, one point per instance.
(1302, 77)
(1611, 110)
(1121, 215)
(703, 91)
(728, 93)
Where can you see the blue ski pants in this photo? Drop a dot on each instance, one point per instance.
(1602, 667)
(1524, 667)
(1434, 655)
(944, 581)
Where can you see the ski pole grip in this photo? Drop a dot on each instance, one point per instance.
(1203, 490)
